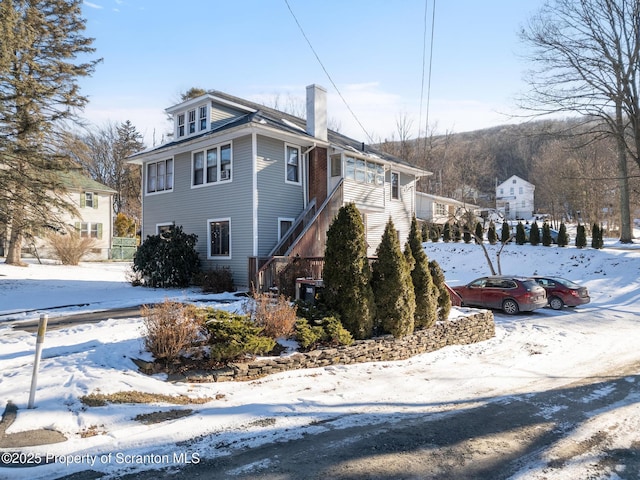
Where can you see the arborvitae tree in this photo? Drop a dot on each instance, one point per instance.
(435, 232)
(425, 291)
(466, 234)
(41, 47)
(581, 236)
(534, 234)
(347, 275)
(457, 232)
(392, 286)
(505, 233)
(563, 237)
(600, 237)
(479, 233)
(444, 299)
(425, 230)
(596, 236)
(446, 233)
(546, 235)
(521, 235)
(492, 235)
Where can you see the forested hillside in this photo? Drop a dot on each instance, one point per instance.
(575, 174)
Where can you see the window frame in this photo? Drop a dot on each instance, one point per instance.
(392, 187)
(168, 176)
(281, 220)
(298, 165)
(181, 125)
(220, 166)
(202, 117)
(191, 121)
(90, 230)
(364, 171)
(162, 227)
(210, 254)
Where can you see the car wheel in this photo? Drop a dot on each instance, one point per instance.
(556, 303)
(510, 306)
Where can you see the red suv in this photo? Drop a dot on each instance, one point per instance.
(561, 292)
(511, 294)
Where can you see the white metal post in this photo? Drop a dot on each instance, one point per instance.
(42, 327)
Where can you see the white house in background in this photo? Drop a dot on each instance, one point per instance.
(435, 209)
(514, 198)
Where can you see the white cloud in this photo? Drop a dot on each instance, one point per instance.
(93, 5)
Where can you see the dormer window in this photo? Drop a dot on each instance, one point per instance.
(192, 121)
(203, 117)
(181, 125)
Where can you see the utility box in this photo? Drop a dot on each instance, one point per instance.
(307, 289)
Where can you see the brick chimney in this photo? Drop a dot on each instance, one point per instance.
(317, 111)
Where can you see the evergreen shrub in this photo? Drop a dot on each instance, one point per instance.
(168, 259)
(235, 337)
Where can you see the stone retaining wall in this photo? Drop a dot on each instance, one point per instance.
(460, 331)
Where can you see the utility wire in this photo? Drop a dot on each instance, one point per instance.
(433, 22)
(326, 72)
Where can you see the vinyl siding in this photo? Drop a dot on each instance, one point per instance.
(221, 114)
(276, 198)
(192, 207)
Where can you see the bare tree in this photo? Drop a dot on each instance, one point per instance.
(587, 56)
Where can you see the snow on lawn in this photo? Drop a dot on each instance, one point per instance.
(530, 353)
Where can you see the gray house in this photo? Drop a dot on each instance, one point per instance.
(258, 185)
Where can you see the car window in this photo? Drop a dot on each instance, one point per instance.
(478, 283)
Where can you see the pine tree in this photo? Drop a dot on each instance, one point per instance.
(581, 236)
(505, 233)
(546, 235)
(563, 237)
(444, 299)
(466, 234)
(446, 233)
(457, 232)
(534, 234)
(521, 235)
(492, 235)
(392, 286)
(435, 232)
(40, 44)
(479, 233)
(347, 274)
(423, 287)
(594, 236)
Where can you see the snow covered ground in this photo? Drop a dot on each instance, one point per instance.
(530, 353)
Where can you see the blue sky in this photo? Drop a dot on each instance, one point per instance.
(153, 50)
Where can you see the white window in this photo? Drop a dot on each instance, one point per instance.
(160, 176)
(395, 185)
(192, 121)
(284, 224)
(364, 171)
(163, 228)
(89, 200)
(212, 165)
(292, 155)
(521, 190)
(440, 209)
(219, 233)
(181, 125)
(90, 230)
(202, 117)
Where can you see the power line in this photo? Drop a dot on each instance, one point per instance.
(326, 72)
(424, 51)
